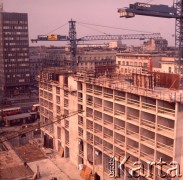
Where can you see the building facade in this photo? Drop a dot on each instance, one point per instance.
(157, 45)
(129, 63)
(114, 119)
(14, 59)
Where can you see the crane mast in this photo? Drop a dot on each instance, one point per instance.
(178, 4)
(73, 43)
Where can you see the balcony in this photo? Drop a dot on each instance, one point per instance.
(119, 129)
(98, 119)
(108, 95)
(89, 89)
(80, 122)
(149, 107)
(132, 149)
(165, 149)
(89, 103)
(130, 164)
(133, 119)
(148, 141)
(98, 92)
(166, 131)
(98, 132)
(108, 124)
(148, 124)
(90, 139)
(146, 156)
(89, 127)
(118, 153)
(80, 133)
(107, 150)
(89, 115)
(119, 98)
(98, 145)
(132, 134)
(133, 102)
(118, 142)
(166, 111)
(98, 106)
(108, 109)
(119, 114)
(108, 137)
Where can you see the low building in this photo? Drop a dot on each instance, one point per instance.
(129, 63)
(157, 45)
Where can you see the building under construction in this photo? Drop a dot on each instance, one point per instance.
(118, 119)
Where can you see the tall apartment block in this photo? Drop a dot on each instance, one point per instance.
(117, 120)
(14, 57)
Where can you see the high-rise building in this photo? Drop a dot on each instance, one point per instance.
(14, 56)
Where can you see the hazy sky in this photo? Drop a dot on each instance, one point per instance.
(46, 15)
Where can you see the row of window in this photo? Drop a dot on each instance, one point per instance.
(20, 43)
(127, 63)
(15, 33)
(15, 22)
(133, 57)
(16, 60)
(18, 69)
(15, 27)
(17, 75)
(16, 38)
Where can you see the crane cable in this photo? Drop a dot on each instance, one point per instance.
(56, 28)
(111, 27)
(38, 126)
(94, 29)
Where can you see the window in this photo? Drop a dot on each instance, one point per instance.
(169, 69)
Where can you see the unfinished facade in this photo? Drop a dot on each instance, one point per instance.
(117, 121)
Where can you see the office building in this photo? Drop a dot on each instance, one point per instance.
(14, 57)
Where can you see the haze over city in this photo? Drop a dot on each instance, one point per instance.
(46, 15)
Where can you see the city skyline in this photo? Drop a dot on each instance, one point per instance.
(45, 16)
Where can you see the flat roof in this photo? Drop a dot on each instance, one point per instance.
(10, 109)
(17, 116)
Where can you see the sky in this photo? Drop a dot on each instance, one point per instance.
(47, 15)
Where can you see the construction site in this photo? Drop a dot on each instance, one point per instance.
(103, 114)
(115, 119)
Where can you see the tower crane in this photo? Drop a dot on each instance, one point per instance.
(74, 40)
(162, 11)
